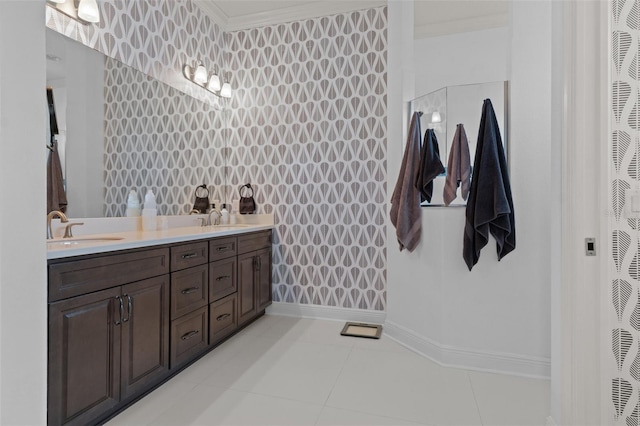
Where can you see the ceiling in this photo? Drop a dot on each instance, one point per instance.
(431, 17)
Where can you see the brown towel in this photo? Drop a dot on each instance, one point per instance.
(56, 197)
(405, 203)
(458, 168)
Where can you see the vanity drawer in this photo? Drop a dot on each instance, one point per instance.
(188, 255)
(223, 318)
(189, 290)
(76, 277)
(222, 248)
(189, 336)
(255, 241)
(222, 278)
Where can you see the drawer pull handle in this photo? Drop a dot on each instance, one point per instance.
(223, 248)
(189, 255)
(190, 334)
(223, 317)
(129, 308)
(190, 290)
(224, 277)
(118, 322)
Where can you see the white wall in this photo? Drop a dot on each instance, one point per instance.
(23, 280)
(495, 317)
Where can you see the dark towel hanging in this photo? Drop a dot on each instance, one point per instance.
(405, 208)
(458, 167)
(490, 206)
(56, 197)
(430, 165)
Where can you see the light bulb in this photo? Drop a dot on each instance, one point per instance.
(225, 91)
(200, 75)
(88, 11)
(214, 83)
(435, 117)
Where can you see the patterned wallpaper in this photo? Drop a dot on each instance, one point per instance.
(156, 37)
(625, 236)
(158, 137)
(308, 128)
(179, 143)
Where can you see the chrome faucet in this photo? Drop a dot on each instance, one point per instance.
(216, 221)
(50, 216)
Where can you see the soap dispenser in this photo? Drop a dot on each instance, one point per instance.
(133, 204)
(224, 215)
(149, 212)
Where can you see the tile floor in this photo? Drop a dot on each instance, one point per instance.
(292, 371)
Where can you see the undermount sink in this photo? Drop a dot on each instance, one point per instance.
(75, 241)
(229, 226)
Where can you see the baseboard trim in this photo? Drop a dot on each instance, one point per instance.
(449, 356)
(326, 312)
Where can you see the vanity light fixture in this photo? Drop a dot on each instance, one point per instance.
(199, 75)
(84, 11)
(435, 117)
(225, 91)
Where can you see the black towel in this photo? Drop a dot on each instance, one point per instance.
(490, 207)
(430, 165)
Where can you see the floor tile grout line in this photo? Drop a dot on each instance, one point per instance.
(344, 364)
(475, 398)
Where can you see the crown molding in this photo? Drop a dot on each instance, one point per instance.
(461, 25)
(280, 16)
(214, 12)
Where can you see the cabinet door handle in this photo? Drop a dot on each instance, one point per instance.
(190, 290)
(119, 321)
(223, 248)
(129, 308)
(223, 317)
(189, 255)
(223, 277)
(189, 335)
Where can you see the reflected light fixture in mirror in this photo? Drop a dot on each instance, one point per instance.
(84, 11)
(199, 75)
(435, 117)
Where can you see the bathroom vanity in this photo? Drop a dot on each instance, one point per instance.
(127, 314)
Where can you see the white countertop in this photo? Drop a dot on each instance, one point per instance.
(91, 244)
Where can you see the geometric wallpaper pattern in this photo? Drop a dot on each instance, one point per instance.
(160, 138)
(625, 229)
(156, 37)
(308, 129)
(306, 126)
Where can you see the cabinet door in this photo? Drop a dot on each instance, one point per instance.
(84, 357)
(263, 278)
(247, 308)
(145, 334)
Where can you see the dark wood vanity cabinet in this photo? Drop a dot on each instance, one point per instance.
(124, 322)
(105, 347)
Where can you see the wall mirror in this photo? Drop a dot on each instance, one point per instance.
(445, 108)
(120, 129)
